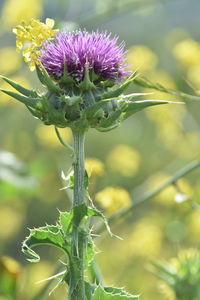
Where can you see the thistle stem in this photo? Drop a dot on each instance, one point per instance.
(76, 284)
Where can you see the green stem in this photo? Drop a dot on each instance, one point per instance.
(122, 213)
(76, 284)
(141, 81)
(95, 273)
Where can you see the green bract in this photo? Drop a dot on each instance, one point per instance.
(91, 103)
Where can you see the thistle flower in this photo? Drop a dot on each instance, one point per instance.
(84, 74)
(104, 57)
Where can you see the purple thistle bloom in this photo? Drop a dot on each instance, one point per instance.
(105, 58)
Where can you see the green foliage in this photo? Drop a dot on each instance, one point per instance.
(182, 275)
(99, 107)
(9, 275)
(47, 235)
(61, 234)
(112, 293)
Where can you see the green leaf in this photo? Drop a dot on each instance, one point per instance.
(19, 88)
(117, 92)
(117, 291)
(26, 100)
(46, 80)
(88, 290)
(65, 221)
(51, 235)
(82, 210)
(100, 293)
(93, 109)
(70, 101)
(130, 108)
(89, 253)
(109, 121)
(86, 84)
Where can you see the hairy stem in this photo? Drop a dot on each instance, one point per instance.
(76, 283)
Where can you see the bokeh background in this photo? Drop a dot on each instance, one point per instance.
(163, 41)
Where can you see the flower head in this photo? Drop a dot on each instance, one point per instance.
(105, 59)
(80, 71)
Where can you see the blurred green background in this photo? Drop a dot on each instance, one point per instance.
(163, 42)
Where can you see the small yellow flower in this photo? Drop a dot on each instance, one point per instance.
(113, 198)
(124, 159)
(30, 36)
(94, 167)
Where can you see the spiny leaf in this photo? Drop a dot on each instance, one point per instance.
(92, 110)
(65, 220)
(26, 100)
(86, 84)
(121, 89)
(51, 235)
(88, 290)
(115, 294)
(19, 88)
(130, 108)
(80, 211)
(46, 80)
(109, 121)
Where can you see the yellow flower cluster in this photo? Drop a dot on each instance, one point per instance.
(30, 36)
(113, 198)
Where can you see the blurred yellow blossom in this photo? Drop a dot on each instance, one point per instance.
(193, 75)
(124, 159)
(10, 60)
(179, 142)
(187, 52)
(113, 198)
(167, 195)
(30, 36)
(94, 166)
(11, 265)
(8, 229)
(15, 11)
(166, 80)
(142, 58)
(5, 99)
(176, 35)
(193, 226)
(146, 239)
(36, 272)
(47, 135)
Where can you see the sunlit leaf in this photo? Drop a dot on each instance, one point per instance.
(112, 294)
(51, 235)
